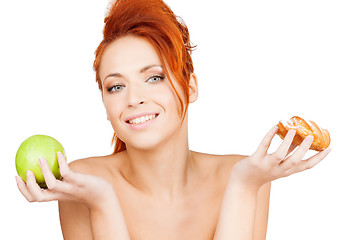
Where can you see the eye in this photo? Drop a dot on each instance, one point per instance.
(115, 88)
(156, 78)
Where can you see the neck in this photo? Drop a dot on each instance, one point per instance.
(165, 171)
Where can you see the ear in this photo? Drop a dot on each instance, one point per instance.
(193, 85)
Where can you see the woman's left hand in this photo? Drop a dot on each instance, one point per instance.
(261, 167)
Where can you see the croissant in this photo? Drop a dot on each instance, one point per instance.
(304, 128)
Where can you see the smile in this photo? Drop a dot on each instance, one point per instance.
(142, 119)
(143, 122)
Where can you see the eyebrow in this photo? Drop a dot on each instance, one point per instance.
(142, 70)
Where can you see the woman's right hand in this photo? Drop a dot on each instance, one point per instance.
(106, 216)
(74, 186)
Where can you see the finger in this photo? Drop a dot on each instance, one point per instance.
(49, 195)
(303, 148)
(64, 168)
(67, 173)
(291, 149)
(56, 188)
(23, 188)
(33, 187)
(297, 156)
(285, 146)
(314, 160)
(36, 194)
(266, 142)
(52, 183)
(48, 175)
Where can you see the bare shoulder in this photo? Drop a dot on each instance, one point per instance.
(231, 160)
(86, 165)
(222, 163)
(98, 166)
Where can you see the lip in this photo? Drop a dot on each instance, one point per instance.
(140, 115)
(143, 125)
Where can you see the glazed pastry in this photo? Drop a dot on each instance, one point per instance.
(304, 128)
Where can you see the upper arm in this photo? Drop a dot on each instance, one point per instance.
(263, 198)
(74, 216)
(75, 221)
(261, 215)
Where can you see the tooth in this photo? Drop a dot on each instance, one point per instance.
(150, 117)
(142, 119)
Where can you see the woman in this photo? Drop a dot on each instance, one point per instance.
(153, 186)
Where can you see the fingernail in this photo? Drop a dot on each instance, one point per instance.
(327, 150)
(310, 138)
(59, 154)
(292, 132)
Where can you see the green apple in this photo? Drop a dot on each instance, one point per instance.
(33, 148)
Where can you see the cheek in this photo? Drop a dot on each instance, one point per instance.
(113, 108)
(176, 98)
(167, 97)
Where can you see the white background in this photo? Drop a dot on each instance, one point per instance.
(257, 62)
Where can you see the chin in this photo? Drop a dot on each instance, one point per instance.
(150, 143)
(143, 148)
(151, 140)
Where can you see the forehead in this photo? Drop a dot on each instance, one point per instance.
(128, 53)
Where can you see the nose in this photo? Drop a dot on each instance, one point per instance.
(135, 103)
(135, 97)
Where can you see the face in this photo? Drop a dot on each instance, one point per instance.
(134, 84)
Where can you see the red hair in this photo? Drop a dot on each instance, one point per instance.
(168, 34)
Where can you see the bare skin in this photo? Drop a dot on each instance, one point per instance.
(192, 216)
(158, 188)
(237, 219)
